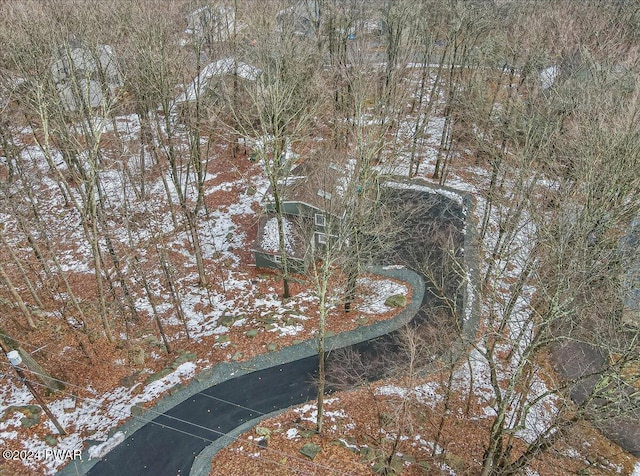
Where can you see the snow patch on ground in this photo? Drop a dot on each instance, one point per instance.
(456, 197)
(309, 412)
(377, 292)
(102, 449)
(426, 394)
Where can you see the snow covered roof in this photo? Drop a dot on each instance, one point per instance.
(85, 69)
(268, 240)
(630, 246)
(301, 16)
(222, 67)
(548, 76)
(215, 23)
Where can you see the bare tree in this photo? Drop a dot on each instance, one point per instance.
(283, 102)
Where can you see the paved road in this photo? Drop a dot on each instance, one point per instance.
(158, 449)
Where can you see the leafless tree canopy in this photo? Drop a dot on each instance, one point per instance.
(531, 106)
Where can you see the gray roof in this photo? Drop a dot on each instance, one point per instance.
(215, 23)
(222, 67)
(630, 246)
(85, 72)
(322, 187)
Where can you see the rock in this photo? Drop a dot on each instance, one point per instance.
(181, 359)
(397, 465)
(136, 356)
(458, 464)
(176, 388)
(158, 375)
(152, 340)
(51, 440)
(366, 453)
(252, 333)
(129, 380)
(29, 411)
(29, 422)
(310, 450)
(263, 442)
(137, 389)
(397, 300)
(226, 320)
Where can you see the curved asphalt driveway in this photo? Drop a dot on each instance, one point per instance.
(158, 449)
(169, 444)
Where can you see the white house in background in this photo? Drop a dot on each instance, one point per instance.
(203, 84)
(212, 23)
(85, 76)
(548, 76)
(630, 247)
(302, 17)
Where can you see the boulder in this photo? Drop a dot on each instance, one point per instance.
(136, 356)
(310, 450)
(226, 320)
(182, 358)
(158, 375)
(31, 414)
(397, 300)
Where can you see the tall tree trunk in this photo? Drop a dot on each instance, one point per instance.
(16, 297)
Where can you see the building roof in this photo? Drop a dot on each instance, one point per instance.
(302, 16)
(222, 67)
(630, 246)
(85, 69)
(212, 22)
(296, 231)
(323, 188)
